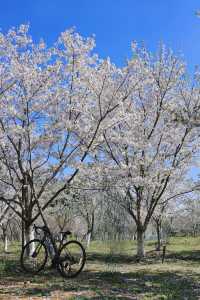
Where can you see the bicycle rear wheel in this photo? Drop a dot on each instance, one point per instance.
(72, 259)
(34, 256)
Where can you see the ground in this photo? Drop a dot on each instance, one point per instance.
(111, 272)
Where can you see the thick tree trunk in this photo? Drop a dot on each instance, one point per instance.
(140, 243)
(27, 231)
(29, 235)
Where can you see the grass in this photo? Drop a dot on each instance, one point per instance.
(111, 272)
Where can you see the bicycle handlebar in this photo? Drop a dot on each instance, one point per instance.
(46, 229)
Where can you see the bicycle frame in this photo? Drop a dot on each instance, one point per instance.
(50, 243)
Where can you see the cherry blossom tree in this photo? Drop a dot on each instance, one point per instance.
(55, 105)
(147, 154)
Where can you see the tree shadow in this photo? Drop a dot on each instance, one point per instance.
(107, 284)
(110, 257)
(151, 257)
(131, 285)
(103, 285)
(193, 256)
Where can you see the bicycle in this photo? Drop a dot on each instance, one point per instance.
(68, 257)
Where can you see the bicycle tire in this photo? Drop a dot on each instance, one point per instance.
(25, 256)
(64, 260)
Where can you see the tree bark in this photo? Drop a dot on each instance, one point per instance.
(5, 243)
(194, 230)
(88, 238)
(140, 243)
(90, 230)
(29, 235)
(158, 231)
(5, 239)
(23, 242)
(134, 238)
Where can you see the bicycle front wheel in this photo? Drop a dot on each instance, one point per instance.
(72, 259)
(34, 256)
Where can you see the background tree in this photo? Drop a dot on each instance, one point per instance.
(146, 154)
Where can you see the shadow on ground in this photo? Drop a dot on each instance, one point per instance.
(152, 257)
(193, 256)
(92, 284)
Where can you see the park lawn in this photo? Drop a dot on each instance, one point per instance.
(111, 272)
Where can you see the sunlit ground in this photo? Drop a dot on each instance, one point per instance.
(111, 272)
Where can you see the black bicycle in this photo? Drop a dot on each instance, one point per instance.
(68, 257)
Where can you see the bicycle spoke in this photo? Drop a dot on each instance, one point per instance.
(34, 256)
(72, 259)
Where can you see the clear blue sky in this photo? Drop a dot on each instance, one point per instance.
(114, 22)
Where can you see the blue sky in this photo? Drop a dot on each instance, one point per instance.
(114, 22)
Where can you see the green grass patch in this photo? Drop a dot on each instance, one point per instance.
(112, 272)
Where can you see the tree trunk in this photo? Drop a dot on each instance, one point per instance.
(23, 241)
(90, 230)
(88, 238)
(134, 238)
(5, 243)
(158, 231)
(140, 243)
(29, 235)
(194, 230)
(5, 239)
